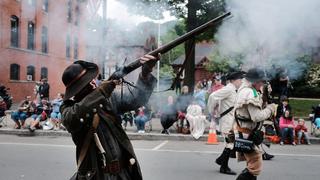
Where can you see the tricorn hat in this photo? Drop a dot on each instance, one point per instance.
(235, 75)
(255, 75)
(76, 76)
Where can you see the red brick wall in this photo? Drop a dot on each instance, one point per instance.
(58, 27)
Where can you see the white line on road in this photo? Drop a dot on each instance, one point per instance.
(45, 145)
(160, 145)
(156, 149)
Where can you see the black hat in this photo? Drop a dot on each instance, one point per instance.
(255, 74)
(76, 76)
(235, 75)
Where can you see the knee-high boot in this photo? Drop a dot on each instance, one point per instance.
(224, 161)
(246, 175)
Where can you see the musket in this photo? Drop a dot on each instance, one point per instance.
(167, 47)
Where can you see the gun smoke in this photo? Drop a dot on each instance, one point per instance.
(271, 33)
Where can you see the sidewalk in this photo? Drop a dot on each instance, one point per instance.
(131, 131)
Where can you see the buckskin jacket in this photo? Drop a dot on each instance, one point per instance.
(77, 118)
(221, 100)
(249, 106)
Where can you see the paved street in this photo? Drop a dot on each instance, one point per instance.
(52, 158)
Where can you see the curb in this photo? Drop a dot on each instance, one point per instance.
(131, 135)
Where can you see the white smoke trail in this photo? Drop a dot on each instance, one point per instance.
(271, 32)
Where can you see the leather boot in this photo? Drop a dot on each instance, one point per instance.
(266, 156)
(224, 163)
(246, 175)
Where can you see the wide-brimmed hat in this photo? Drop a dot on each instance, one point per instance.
(76, 76)
(255, 75)
(235, 75)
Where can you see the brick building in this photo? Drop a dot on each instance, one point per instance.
(38, 39)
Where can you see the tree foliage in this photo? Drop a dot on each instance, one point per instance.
(223, 64)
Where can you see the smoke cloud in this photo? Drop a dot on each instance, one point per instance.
(271, 33)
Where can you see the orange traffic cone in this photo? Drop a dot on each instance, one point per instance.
(212, 138)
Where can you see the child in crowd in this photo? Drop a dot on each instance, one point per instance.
(141, 120)
(302, 130)
(287, 127)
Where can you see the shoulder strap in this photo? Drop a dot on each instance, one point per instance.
(226, 111)
(87, 140)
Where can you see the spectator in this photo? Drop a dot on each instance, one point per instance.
(204, 84)
(183, 101)
(196, 120)
(3, 107)
(178, 85)
(141, 120)
(283, 107)
(200, 96)
(209, 84)
(168, 115)
(316, 116)
(41, 115)
(25, 110)
(217, 84)
(44, 89)
(287, 127)
(302, 130)
(55, 114)
(99, 80)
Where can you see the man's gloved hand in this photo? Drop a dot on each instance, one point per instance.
(107, 87)
(148, 62)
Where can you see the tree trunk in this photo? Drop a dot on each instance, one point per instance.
(190, 46)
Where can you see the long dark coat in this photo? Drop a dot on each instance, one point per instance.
(77, 117)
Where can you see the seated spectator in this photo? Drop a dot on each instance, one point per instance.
(283, 106)
(287, 127)
(25, 110)
(3, 107)
(41, 115)
(200, 96)
(196, 120)
(55, 114)
(141, 120)
(127, 117)
(183, 101)
(302, 131)
(168, 115)
(316, 116)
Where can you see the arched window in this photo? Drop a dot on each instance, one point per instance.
(44, 39)
(44, 72)
(31, 35)
(68, 46)
(14, 31)
(14, 71)
(30, 73)
(75, 48)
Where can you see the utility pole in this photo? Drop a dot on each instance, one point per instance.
(104, 35)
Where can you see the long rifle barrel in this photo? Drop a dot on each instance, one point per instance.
(167, 47)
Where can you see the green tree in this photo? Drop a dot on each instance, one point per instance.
(194, 13)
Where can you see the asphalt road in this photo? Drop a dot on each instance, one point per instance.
(53, 158)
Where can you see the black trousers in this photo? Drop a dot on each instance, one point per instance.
(167, 120)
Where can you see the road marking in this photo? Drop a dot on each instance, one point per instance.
(219, 152)
(32, 144)
(155, 149)
(160, 146)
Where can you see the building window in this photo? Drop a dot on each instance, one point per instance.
(75, 48)
(30, 73)
(45, 5)
(31, 35)
(44, 73)
(14, 71)
(14, 31)
(44, 39)
(69, 16)
(77, 12)
(68, 46)
(32, 2)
